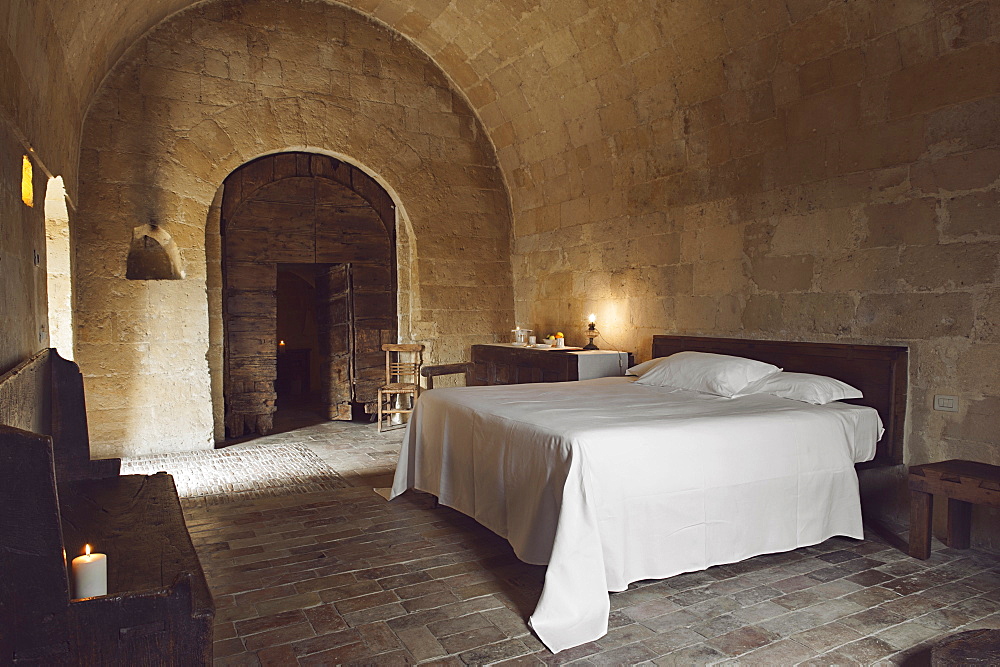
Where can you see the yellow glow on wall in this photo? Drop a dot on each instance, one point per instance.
(27, 182)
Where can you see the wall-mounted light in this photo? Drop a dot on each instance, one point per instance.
(27, 182)
(591, 333)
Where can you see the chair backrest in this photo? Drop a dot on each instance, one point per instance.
(399, 371)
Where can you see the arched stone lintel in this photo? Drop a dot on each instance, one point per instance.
(312, 164)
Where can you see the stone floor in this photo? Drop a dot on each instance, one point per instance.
(343, 577)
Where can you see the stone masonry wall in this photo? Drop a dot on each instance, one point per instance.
(22, 260)
(801, 170)
(805, 169)
(219, 85)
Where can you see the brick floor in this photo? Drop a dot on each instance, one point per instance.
(343, 577)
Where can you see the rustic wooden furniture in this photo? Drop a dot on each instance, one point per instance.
(963, 483)
(431, 372)
(55, 499)
(402, 380)
(508, 364)
(879, 371)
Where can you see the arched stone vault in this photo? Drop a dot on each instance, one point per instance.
(797, 169)
(160, 139)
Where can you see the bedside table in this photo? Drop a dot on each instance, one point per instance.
(514, 364)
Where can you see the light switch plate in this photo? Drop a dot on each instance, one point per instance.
(945, 403)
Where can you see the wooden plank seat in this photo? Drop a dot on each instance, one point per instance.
(963, 483)
(158, 609)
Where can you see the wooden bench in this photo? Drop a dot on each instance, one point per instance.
(431, 372)
(964, 483)
(54, 499)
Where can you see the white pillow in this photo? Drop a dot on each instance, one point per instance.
(815, 389)
(717, 374)
(639, 369)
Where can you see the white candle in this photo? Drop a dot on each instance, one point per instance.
(90, 575)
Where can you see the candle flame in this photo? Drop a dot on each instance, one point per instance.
(87, 549)
(281, 342)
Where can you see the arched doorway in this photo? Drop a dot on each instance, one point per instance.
(323, 222)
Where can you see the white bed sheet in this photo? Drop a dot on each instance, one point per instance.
(608, 482)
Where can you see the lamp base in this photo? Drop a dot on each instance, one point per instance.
(591, 346)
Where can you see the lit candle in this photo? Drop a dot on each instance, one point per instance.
(90, 575)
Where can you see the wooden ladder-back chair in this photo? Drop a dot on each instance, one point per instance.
(402, 380)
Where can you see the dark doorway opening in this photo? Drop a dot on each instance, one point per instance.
(299, 359)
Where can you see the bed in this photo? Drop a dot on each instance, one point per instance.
(609, 481)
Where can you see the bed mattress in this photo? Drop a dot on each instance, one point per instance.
(608, 482)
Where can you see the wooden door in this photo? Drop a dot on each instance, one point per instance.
(306, 209)
(336, 326)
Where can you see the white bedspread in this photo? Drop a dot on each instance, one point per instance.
(608, 482)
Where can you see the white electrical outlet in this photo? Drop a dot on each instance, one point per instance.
(946, 403)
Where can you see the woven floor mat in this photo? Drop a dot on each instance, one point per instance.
(240, 472)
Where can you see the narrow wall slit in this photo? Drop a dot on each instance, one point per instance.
(308, 259)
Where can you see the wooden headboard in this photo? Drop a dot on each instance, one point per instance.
(879, 371)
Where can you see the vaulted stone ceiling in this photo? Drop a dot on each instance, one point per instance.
(796, 169)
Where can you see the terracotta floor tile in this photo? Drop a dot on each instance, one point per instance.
(698, 654)
(492, 653)
(865, 651)
(421, 643)
(873, 596)
(264, 623)
(752, 596)
(381, 613)
(673, 640)
(379, 638)
(872, 620)
(471, 639)
(277, 636)
(656, 606)
(826, 637)
(280, 568)
(453, 626)
(325, 619)
(507, 621)
(630, 654)
(292, 602)
(671, 621)
(758, 612)
(911, 606)
(742, 640)
(870, 577)
(365, 602)
(719, 625)
(783, 652)
(907, 634)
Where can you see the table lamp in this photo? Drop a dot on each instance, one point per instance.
(591, 333)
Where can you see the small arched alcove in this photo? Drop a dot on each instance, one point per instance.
(315, 217)
(153, 255)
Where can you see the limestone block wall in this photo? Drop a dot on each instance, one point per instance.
(798, 170)
(33, 77)
(214, 87)
(24, 329)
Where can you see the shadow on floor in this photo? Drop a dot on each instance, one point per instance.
(295, 412)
